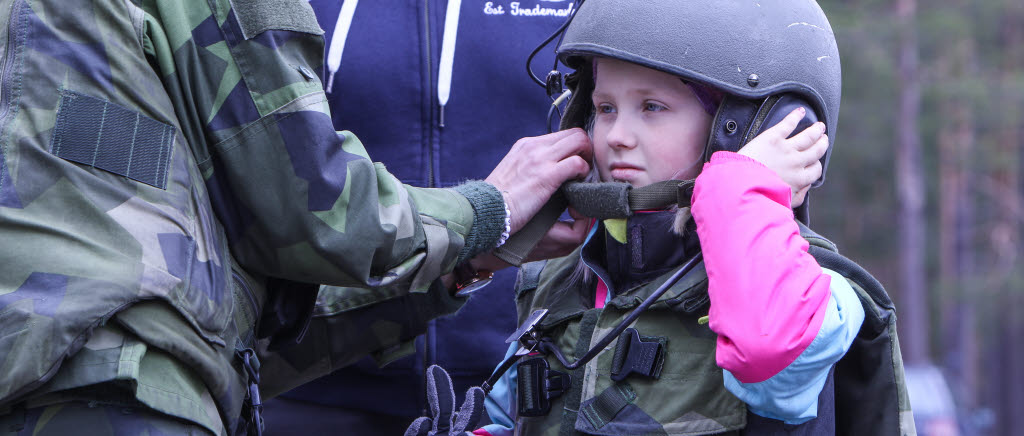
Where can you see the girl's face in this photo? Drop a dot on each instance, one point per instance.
(648, 125)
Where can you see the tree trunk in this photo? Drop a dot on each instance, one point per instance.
(1005, 235)
(957, 140)
(910, 184)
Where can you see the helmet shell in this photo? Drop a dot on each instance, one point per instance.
(750, 49)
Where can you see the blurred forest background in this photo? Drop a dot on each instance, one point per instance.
(924, 190)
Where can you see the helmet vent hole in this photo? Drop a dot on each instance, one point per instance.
(731, 126)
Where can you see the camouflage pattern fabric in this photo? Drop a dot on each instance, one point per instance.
(180, 152)
(101, 419)
(689, 398)
(349, 323)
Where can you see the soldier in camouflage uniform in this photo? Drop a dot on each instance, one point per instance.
(170, 182)
(773, 332)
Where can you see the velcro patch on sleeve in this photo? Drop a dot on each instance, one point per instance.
(258, 16)
(104, 135)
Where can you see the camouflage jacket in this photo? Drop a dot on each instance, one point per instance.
(161, 159)
(688, 397)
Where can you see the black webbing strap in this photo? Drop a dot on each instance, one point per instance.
(608, 404)
(661, 194)
(595, 200)
(571, 406)
(515, 249)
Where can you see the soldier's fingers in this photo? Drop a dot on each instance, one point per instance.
(572, 167)
(577, 143)
(440, 397)
(420, 427)
(543, 141)
(471, 411)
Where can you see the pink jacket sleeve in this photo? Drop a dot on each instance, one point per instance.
(768, 296)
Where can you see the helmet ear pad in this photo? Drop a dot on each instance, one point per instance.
(740, 120)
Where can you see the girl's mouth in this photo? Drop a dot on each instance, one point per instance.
(624, 172)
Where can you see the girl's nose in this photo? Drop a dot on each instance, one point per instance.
(621, 134)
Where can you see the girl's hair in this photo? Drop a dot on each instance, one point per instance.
(582, 275)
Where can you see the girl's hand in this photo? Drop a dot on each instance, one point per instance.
(797, 159)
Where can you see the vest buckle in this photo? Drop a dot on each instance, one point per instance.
(538, 385)
(634, 354)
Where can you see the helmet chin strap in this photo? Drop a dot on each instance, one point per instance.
(603, 200)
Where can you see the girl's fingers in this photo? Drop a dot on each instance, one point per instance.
(813, 153)
(820, 147)
(811, 173)
(808, 137)
(788, 124)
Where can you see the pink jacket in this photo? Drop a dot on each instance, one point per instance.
(768, 296)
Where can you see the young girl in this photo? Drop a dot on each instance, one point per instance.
(748, 341)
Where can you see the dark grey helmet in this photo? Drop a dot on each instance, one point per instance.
(767, 56)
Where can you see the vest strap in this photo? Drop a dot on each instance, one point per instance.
(595, 200)
(608, 403)
(538, 385)
(573, 398)
(638, 355)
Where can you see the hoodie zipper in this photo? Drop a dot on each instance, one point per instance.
(429, 127)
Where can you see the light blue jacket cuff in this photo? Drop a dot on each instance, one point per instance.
(792, 394)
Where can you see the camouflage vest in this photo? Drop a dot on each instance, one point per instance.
(689, 397)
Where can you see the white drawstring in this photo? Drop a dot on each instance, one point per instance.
(348, 9)
(444, 76)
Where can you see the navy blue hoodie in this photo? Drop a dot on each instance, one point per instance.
(388, 88)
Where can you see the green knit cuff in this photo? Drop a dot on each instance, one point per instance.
(489, 217)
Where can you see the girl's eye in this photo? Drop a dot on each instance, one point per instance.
(653, 107)
(605, 109)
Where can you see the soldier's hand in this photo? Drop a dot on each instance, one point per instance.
(797, 159)
(535, 167)
(560, 240)
(445, 421)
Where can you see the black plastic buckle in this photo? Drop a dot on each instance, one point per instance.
(538, 385)
(553, 83)
(635, 355)
(253, 402)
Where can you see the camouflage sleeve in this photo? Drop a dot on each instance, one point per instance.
(297, 199)
(349, 323)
